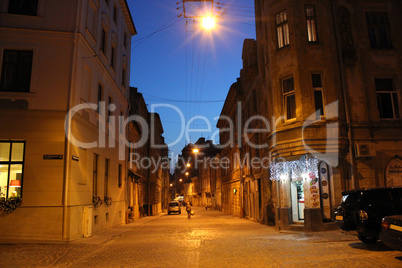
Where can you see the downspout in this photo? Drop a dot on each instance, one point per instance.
(127, 156)
(149, 169)
(345, 98)
(65, 232)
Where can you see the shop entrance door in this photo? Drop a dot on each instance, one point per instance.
(297, 196)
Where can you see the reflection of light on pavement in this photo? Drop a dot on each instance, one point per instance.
(193, 259)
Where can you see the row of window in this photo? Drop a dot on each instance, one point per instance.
(106, 177)
(377, 28)
(105, 34)
(109, 107)
(16, 73)
(387, 97)
(30, 8)
(12, 166)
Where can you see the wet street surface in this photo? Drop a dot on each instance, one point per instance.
(209, 239)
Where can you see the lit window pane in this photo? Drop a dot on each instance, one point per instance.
(17, 152)
(286, 34)
(14, 189)
(4, 151)
(3, 180)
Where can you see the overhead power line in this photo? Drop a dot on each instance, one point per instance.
(183, 101)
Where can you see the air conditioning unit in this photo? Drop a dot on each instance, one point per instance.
(364, 150)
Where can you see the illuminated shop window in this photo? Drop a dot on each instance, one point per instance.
(11, 168)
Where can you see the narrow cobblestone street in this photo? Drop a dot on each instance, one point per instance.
(209, 239)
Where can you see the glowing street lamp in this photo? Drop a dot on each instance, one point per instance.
(208, 23)
(196, 151)
(188, 165)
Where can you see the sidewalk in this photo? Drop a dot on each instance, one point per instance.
(109, 235)
(317, 237)
(96, 239)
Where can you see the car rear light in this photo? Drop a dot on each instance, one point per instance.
(384, 224)
(363, 215)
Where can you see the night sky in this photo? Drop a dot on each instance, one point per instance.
(186, 67)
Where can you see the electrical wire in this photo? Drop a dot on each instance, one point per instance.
(182, 101)
(224, 4)
(161, 28)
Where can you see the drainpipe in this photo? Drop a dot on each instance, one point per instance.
(345, 98)
(65, 232)
(149, 169)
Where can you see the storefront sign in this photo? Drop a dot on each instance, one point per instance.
(52, 157)
(393, 173)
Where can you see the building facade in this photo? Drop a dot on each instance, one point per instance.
(148, 160)
(67, 167)
(330, 76)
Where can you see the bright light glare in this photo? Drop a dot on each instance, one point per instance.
(208, 23)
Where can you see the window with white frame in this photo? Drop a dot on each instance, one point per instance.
(311, 24)
(289, 98)
(387, 98)
(316, 80)
(16, 70)
(282, 29)
(11, 168)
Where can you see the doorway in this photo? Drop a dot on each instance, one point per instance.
(297, 196)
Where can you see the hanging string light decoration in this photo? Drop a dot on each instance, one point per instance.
(295, 170)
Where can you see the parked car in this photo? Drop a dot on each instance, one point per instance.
(174, 206)
(391, 232)
(362, 210)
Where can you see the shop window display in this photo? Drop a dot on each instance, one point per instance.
(11, 169)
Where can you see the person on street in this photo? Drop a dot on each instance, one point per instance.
(188, 209)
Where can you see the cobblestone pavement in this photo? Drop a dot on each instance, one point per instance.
(209, 239)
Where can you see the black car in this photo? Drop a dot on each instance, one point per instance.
(362, 210)
(391, 233)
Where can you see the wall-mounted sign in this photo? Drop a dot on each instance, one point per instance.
(75, 158)
(52, 157)
(393, 172)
